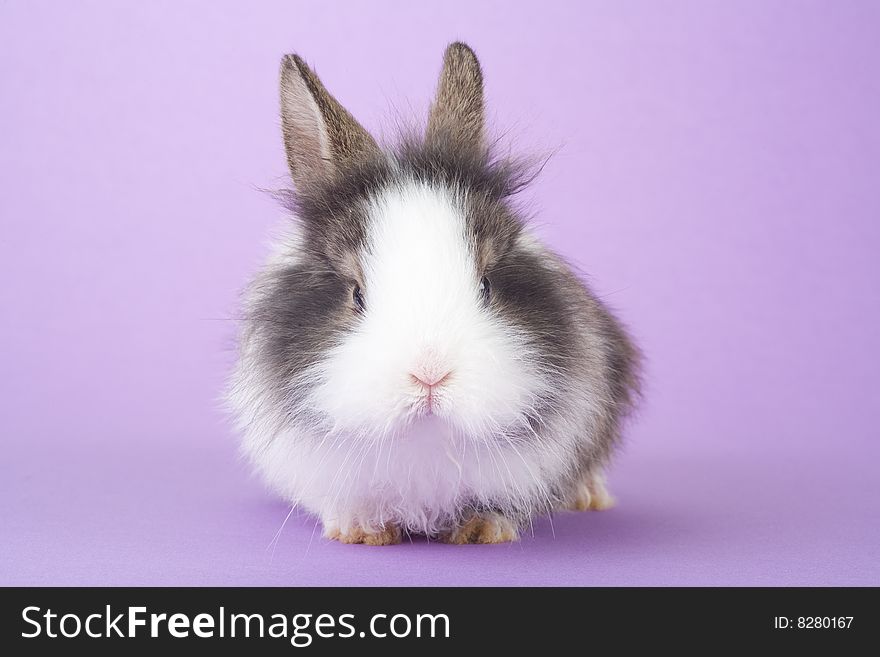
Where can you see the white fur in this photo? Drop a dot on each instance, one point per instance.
(376, 456)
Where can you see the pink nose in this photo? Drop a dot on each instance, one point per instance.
(430, 379)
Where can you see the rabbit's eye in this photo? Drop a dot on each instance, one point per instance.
(485, 289)
(358, 297)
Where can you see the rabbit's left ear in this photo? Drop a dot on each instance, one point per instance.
(457, 115)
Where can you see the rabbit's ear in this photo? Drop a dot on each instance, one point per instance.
(457, 115)
(319, 133)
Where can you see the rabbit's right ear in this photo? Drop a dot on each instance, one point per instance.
(457, 116)
(319, 133)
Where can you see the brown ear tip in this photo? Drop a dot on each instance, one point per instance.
(293, 63)
(460, 47)
(461, 51)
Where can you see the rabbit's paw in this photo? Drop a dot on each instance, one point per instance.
(483, 528)
(390, 534)
(592, 495)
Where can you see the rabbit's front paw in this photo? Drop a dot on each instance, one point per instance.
(390, 534)
(483, 528)
(592, 495)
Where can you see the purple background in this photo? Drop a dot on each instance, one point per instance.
(718, 176)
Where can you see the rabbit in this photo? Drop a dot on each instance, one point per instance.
(413, 359)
